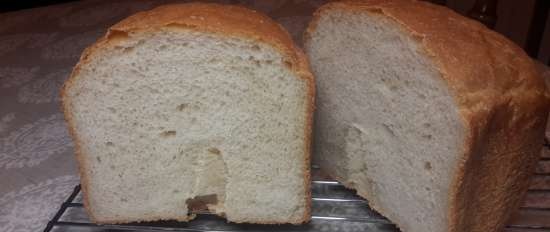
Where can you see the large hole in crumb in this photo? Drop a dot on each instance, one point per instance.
(200, 203)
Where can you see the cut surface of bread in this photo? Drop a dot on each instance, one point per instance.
(189, 107)
(431, 117)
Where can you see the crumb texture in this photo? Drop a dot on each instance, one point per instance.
(173, 120)
(386, 124)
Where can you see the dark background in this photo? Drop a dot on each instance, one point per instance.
(12, 5)
(526, 22)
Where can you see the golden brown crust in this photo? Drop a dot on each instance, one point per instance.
(80, 160)
(225, 20)
(501, 99)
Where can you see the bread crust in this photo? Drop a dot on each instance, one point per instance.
(224, 20)
(501, 99)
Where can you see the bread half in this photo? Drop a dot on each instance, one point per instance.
(193, 107)
(433, 118)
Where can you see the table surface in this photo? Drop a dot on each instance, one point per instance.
(39, 47)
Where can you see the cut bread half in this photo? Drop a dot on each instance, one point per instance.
(433, 118)
(193, 107)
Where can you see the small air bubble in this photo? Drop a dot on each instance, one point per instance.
(288, 64)
(214, 60)
(214, 150)
(127, 49)
(168, 133)
(428, 166)
(182, 106)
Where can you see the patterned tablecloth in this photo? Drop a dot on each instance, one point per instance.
(38, 48)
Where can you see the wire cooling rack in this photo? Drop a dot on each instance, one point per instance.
(334, 208)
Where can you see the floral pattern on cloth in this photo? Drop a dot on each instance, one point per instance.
(43, 90)
(11, 77)
(71, 46)
(28, 209)
(33, 143)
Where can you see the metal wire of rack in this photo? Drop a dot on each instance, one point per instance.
(334, 208)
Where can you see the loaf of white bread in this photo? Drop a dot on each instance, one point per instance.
(432, 117)
(193, 107)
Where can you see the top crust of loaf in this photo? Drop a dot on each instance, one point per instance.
(224, 20)
(501, 98)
